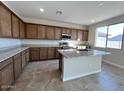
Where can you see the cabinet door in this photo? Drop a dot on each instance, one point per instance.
(15, 26)
(58, 33)
(66, 31)
(80, 34)
(22, 29)
(43, 53)
(50, 33)
(6, 74)
(41, 32)
(34, 54)
(23, 59)
(17, 65)
(31, 31)
(56, 53)
(51, 53)
(74, 34)
(85, 35)
(27, 56)
(5, 22)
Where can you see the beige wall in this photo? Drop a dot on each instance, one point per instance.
(117, 56)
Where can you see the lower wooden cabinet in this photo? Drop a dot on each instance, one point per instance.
(27, 56)
(11, 68)
(34, 54)
(6, 74)
(56, 53)
(17, 65)
(23, 59)
(51, 53)
(43, 53)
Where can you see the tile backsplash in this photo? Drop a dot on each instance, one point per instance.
(6, 43)
(9, 43)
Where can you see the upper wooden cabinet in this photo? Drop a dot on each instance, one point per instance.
(34, 31)
(74, 34)
(5, 22)
(66, 31)
(15, 26)
(80, 35)
(31, 31)
(58, 33)
(85, 35)
(12, 26)
(41, 32)
(50, 33)
(22, 29)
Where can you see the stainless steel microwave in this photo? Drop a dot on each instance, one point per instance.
(65, 36)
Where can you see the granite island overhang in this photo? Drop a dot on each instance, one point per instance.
(74, 63)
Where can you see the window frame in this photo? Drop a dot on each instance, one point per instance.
(107, 37)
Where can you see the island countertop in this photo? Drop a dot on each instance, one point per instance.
(70, 53)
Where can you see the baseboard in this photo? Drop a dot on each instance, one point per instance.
(116, 65)
(44, 59)
(79, 76)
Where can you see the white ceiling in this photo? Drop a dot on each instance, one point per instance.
(78, 12)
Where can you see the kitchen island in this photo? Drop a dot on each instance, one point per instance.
(74, 63)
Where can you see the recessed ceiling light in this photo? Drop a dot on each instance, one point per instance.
(41, 9)
(92, 20)
(100, 4)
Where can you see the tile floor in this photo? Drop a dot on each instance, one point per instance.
(45, 76)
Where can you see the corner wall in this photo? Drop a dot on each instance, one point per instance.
(117, 56)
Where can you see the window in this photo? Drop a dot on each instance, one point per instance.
(115, 35)
(110, 36)
(101, 34)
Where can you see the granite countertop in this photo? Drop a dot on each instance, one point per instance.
(7, 54)
(42, 45)
(69, 53)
